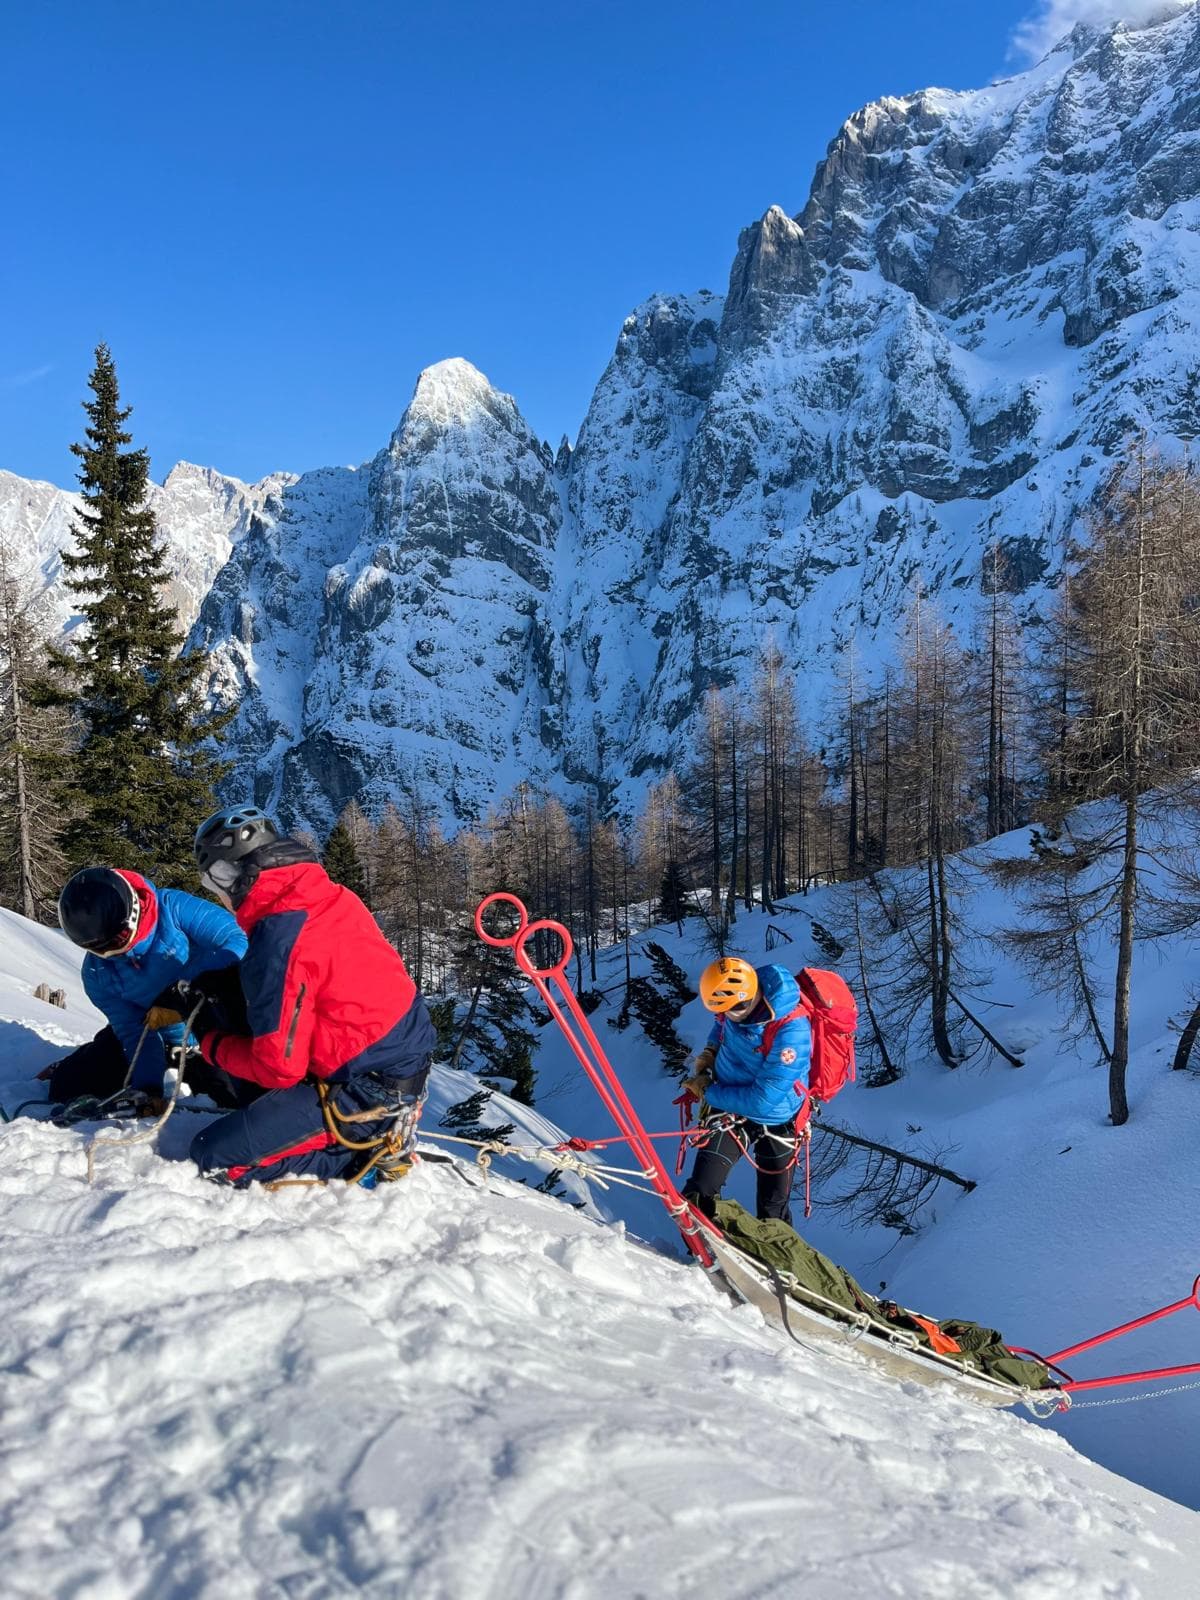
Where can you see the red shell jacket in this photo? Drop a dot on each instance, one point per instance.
(326, 994)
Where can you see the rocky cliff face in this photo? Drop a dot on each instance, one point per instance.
(388, 632)
(986, 295)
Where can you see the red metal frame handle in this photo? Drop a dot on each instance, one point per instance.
(1192, 1299)
(497, 899)
(551, 983)
(524, 960)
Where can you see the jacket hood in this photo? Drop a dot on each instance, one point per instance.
(303, 887)
(147, 910)
(779, 989)
(285, 852)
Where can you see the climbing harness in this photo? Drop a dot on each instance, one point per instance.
(390, 1151)
(726, 1122)
(151, 1132)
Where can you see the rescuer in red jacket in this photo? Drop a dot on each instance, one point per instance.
(337, 1029)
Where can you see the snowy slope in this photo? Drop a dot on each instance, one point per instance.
(442, 1391)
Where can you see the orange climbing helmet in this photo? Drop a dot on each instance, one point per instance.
(728, 983)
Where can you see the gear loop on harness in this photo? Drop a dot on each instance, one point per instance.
(391, 1145)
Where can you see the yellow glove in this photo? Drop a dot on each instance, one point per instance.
(162, 1017)
(703, 1074)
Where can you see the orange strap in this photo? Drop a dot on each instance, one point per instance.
(942, 1343)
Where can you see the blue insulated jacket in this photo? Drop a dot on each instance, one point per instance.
(747, 1083)
(189, 936)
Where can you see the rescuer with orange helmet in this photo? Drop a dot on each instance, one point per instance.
(751, 1078)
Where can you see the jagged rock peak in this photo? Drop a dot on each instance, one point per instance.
(453, 393)
(188, 471)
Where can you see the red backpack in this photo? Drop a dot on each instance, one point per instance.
(826, 1000)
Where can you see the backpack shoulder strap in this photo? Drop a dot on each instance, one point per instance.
(771, 1031)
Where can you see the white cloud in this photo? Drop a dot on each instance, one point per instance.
(1055, 18)
(19, 380)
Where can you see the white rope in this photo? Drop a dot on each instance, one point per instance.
(148, 1133)
(596, 1172)
(1131, 1399)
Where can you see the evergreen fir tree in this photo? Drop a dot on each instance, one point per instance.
(673, 903)
(143, 774)
(342, 861)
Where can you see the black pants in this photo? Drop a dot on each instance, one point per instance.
(99, 1067)
(774, 1152)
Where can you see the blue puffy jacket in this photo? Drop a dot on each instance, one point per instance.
(747, 1083)
(188, 936)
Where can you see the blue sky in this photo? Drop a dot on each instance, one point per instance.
(278, 213)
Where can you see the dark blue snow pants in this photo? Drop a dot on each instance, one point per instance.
(283, 1134)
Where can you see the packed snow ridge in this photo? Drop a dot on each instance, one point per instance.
(986, 295)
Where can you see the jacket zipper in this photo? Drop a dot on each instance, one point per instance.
(291, 1038)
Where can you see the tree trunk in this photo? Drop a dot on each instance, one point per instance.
(938, 979)
(12, 642)
(891, 1070)
(1119, 1061)
(466, 1027)
(768, 821)
(731, 893)
(1187, 1041)
(966, 1184)
(747, 884)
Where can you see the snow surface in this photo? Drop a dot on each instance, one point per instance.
(444, 1390)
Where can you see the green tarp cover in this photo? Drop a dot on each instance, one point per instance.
(775, 1244)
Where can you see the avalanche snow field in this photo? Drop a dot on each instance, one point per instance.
(441, 1390)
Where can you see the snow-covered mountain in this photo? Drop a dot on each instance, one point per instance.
(985, 296)
(202, 515)
(388, 630)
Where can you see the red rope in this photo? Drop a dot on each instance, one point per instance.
(564, 1007)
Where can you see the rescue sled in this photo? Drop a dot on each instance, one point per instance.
(795, 1310)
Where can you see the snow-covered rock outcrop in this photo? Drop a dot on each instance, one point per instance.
(387, 631)
(202, 515)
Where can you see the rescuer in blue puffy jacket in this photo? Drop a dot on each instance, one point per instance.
(140, 941)
(751, 1077)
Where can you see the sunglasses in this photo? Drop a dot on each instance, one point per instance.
(117, 945)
